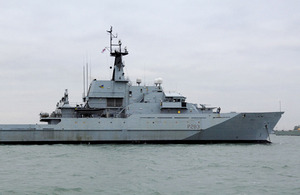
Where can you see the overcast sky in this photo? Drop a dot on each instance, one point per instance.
(239, 55)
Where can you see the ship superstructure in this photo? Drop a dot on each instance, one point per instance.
(117, 111)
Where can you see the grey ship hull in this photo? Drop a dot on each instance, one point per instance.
(117, 111)
(200, 128)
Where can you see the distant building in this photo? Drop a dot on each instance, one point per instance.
(297, 127)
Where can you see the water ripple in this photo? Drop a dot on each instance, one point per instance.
(151, 169)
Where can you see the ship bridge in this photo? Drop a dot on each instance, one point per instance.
(173, 100)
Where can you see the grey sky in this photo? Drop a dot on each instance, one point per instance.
(239, 55)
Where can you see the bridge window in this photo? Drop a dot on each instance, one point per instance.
(114, 102)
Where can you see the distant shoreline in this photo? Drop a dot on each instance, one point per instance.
(287, 132)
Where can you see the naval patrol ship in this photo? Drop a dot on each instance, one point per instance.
(117, 111)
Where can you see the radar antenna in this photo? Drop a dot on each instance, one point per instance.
(119, 44)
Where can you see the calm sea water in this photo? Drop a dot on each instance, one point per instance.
(152, 169)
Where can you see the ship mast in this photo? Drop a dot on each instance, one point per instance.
(118, 72)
